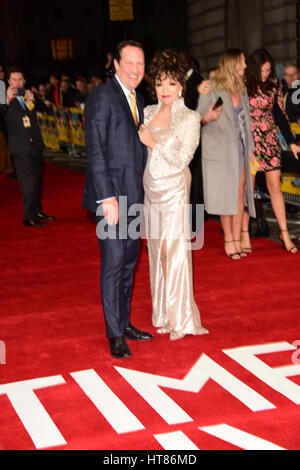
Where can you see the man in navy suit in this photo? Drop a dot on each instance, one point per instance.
(117, 159)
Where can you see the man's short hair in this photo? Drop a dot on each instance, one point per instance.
(120, 47)
(291, 65)
(14, 69)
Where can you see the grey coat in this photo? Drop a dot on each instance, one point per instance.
(220, 157)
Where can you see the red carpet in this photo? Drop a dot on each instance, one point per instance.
(236, 388)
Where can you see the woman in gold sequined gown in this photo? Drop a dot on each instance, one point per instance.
(171, 132)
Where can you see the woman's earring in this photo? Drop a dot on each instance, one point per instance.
(180, 94)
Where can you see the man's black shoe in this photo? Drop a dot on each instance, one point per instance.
(131, 332)
(119, 348)
(33, 223)
(43, 216)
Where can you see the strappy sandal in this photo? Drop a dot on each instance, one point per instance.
(242, 253)
(246, 249)
(292, 249)
(231, 255)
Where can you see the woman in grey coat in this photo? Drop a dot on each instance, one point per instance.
(227, 149)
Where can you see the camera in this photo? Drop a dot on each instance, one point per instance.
(21, 92)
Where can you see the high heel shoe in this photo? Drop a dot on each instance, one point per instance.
(293, 249)
(242, 253)
(231, 255)
(246, 249)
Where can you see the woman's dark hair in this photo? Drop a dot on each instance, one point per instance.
(253, 72)
(166, 63)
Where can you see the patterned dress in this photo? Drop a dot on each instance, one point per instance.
(267, 143)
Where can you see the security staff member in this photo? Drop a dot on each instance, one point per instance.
(25, 145)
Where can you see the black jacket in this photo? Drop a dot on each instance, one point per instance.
(191, 93)
(21, 138)
(114, 151)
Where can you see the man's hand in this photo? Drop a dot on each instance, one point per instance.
(295, 149)
(11, 93)
(204, 87)
(111, 210)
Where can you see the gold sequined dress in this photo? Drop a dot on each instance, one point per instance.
(167, 181)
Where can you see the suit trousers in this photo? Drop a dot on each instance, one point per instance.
(29, 168)
(118, 260)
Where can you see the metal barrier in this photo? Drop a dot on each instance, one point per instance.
(63, 129)
(290, 181)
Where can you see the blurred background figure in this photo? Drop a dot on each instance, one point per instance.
(96, 80)
(212, 73)
(42, 92)
(291, 74)
(53, 90)
(109, 70)
(292, 92)
(81, 90)
(6, 164)
(3, 75)
(193, 80)
(67, 92)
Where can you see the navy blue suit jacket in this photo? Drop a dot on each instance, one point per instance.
(116, 157)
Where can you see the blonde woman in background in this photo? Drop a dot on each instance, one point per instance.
(227, 149)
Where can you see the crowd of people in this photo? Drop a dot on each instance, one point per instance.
(195, 140)
(256, 122)
(65, 90)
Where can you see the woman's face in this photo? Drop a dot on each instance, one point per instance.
(167, 89)
(241, 66)
(265, 71)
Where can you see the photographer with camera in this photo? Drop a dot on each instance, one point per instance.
(25, 145)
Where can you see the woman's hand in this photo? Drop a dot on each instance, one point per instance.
(204, 88)
(295, 149)
(146, 137)
(211, 114)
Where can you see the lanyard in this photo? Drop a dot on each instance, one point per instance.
(19, 98)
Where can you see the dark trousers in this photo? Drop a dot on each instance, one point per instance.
(118, 259)
(29, 168)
